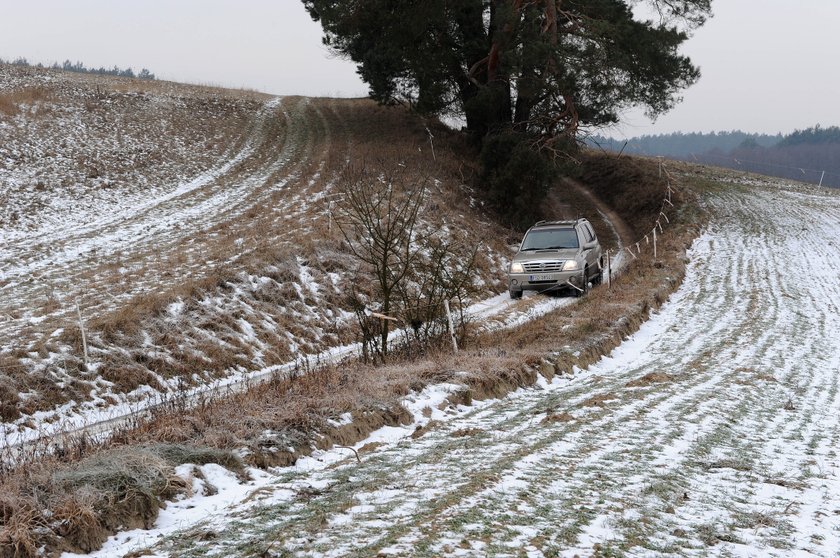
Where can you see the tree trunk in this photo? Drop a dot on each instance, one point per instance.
(524, 99)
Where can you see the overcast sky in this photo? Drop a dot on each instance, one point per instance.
(768, 65)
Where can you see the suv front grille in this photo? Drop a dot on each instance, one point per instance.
(548, 266)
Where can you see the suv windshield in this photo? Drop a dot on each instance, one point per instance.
(550, 239)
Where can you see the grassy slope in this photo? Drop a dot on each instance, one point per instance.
(296, 413)
(246, 274)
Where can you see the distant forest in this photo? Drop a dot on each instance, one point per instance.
(82, 69)
(810, 155)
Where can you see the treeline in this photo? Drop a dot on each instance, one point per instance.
(813, 136)
(810, 155)
(78, 67)
(679, 145)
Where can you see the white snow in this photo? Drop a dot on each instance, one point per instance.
(734, 454)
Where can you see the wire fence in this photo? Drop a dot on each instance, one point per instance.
(649, 241)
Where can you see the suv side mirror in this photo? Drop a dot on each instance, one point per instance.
(590, 245)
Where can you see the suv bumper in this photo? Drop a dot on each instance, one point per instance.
(545, 281)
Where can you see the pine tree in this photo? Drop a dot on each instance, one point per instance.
(543, 67)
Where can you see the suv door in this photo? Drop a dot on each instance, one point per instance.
(592, 255)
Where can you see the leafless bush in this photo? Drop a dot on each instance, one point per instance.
(444, 273)
(415, 266)
(370, 326)
(378, 216)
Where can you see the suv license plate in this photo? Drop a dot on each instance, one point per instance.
(542, 277)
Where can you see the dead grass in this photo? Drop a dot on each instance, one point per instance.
(650, 379)
(633, 187)
(127, 379)
(598, 400)
(128, 478)
(7, 106)
(557, 417)
(9, 396)
(10, 102)
(75, 507)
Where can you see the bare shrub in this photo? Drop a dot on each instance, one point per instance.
(378, 216)
(446, 272)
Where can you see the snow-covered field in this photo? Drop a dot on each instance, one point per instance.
(712, 431)
(188, 230)
(206, 209)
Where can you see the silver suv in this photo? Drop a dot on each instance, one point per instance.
(557, 255)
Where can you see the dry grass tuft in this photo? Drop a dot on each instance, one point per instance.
(18, 534)
(78, 522)
(650, 379)
(132, 483)
(128, 378)
(467, 433)
(9, 396)
(75, 506)
(598, 400)
(10, 102)
(557, 417)
(7, 106)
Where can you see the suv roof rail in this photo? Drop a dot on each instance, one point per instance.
(565, 222)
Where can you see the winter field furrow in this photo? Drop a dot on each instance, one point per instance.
(162, 238)
(156, 225)
(712, 431)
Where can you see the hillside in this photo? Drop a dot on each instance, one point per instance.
(685, 408)
(711, 431)
(192, 227)
(167, 247)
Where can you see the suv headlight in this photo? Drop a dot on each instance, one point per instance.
(571, 265)
(516, 267)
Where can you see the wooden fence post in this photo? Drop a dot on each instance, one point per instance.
(451, 326)
(84, 337)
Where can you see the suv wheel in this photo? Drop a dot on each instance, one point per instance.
(515, 294)
(586, 284)
(599, 277)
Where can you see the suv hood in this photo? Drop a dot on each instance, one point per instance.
(536, 255)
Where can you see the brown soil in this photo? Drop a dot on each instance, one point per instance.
(650, 379)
